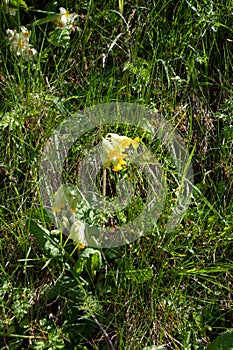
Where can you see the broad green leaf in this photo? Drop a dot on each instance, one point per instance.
(43, 237)
(86, 253)
(92, 242)
(39, 232)
(222, 342)
(64, 286)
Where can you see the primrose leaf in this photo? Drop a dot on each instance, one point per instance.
(139, 276)
(60, 37)
(43, 237)
(39, 232)
(91, 258)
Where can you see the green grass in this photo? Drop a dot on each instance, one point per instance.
(165, 289)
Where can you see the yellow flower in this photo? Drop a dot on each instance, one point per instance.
(77, 233)
(135, 142)
(107, 151)
(121, 161)
(123, 142)
(112, 150)
(117, 167)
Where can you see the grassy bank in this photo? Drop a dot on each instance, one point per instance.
(164, 289)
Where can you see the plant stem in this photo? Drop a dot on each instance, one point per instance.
(104, 187)
(105, 333)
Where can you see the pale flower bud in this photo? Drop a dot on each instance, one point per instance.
(60, 200)
(77, 233)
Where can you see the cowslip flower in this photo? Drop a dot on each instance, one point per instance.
(65, 196)
(77, 233)
(59, 200)
(113, 148)
(110, 152)
(123, 141)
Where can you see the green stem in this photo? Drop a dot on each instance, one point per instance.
(104, 187)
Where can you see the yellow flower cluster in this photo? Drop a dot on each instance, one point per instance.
(113, 148)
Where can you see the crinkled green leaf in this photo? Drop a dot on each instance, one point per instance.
(96, 261)
(52, 250)
(139, 276)
(79, 266)
(91, 258)
(60, 37)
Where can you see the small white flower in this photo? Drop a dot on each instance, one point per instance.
(31, 52)
(25, 33)
(10, 33)
(19, 43)
(65, 19)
